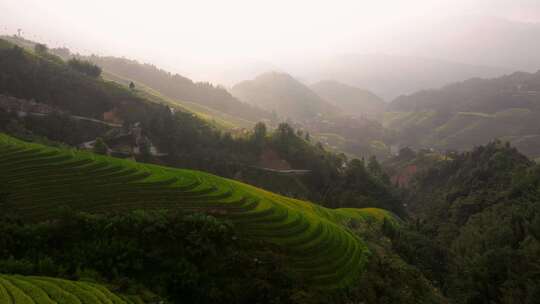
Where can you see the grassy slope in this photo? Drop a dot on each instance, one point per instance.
(216, 117)
(316, 240)
(15, 289)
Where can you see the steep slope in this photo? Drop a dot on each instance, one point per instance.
(180, 88)
(352, 100)
(461, 115)
(16, 289)
(316, 240)
(284, 95)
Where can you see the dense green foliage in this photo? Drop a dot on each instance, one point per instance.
(185, 258)
(85, 67)
(192, 258)
(477, 226)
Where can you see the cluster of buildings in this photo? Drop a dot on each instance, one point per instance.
(125, 142)
(23, 107)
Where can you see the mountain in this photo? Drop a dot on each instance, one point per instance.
(462, 115)
(284, 95)
(341, 130)
(389, 75)
(349, 99)
(445, 51)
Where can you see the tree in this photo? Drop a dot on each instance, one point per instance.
(284, 130)
(406, 153)
(259, 132)
(145, 150)
(132, 85)
(63, 52)
(100, 147)
(41, 48)
(375, 169)
(85, 67)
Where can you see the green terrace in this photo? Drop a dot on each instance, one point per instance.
(37, 182)
(15, 289)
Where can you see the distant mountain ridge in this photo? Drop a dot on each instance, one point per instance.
(389, 75)
(465, 114)
(283, 94)
(352, 100)
(516, 90)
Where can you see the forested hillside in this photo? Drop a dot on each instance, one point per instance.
(462, 115)
(181, 88)
(480, 211)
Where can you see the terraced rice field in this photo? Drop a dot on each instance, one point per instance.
(15, 289)
(36, 181)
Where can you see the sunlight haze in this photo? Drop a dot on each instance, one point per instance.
(194, 37)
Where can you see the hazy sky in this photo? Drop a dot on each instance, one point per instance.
(182, 35)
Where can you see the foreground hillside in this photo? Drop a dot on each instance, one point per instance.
(81, 181)
(462, 115)
(188, 235)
